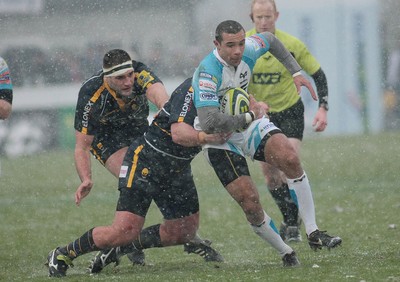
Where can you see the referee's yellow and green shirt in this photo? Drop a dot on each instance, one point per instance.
(271, 82)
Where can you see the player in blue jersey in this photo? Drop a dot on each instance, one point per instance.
(6, 90)
(230, 65)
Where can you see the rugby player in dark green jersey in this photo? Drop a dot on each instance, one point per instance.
(156, 168)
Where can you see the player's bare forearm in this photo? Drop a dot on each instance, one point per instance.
(83, 164)
(185, 135)
(157, 94)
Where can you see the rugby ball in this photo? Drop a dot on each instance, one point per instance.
(235, 102)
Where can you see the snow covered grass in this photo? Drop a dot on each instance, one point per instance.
(355, 181)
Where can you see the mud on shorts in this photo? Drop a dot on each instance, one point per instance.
(148, 175)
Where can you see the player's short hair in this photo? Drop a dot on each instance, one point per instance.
(228, 26)
(115, 57)
(115, 62)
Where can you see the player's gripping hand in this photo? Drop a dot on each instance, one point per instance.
(259, 109)
(82, 191)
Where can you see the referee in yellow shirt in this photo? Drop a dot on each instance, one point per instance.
(273, 84)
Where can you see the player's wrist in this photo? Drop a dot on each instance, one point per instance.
(250, 117)
(324, 106)
(297, 73)
(201, 137)
(323, 102)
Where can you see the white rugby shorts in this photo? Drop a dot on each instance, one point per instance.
(246, 143)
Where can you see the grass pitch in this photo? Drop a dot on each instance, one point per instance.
(355, 182)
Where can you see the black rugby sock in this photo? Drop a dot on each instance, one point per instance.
(80, 246)
(286, 205)
(148, 238)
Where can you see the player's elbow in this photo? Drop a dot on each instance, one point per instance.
(176, 137)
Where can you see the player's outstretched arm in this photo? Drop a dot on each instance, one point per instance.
(283, 55)
(83, 165)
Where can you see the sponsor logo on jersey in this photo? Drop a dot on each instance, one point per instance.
(257, 41)
(208, 96)
(207, 85)
(5, 78)
(206, 75)
(268, 126)
(187, 104)
(266, 78)
(85, 116)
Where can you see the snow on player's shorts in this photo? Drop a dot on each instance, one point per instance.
(246, 143)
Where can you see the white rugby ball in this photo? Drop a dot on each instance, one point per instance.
(235, 101)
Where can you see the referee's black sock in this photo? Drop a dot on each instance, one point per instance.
(286, 205)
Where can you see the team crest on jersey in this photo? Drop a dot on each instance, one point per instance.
(144, 77)
(145, 172)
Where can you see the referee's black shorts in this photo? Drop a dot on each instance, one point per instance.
(290, 121)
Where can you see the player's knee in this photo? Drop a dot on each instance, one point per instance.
(128, 232)
(250, 203)
(291, 164)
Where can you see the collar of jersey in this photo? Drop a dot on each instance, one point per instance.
(221, 60)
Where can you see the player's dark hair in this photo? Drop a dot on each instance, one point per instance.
(115, 57)
(229, 26)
